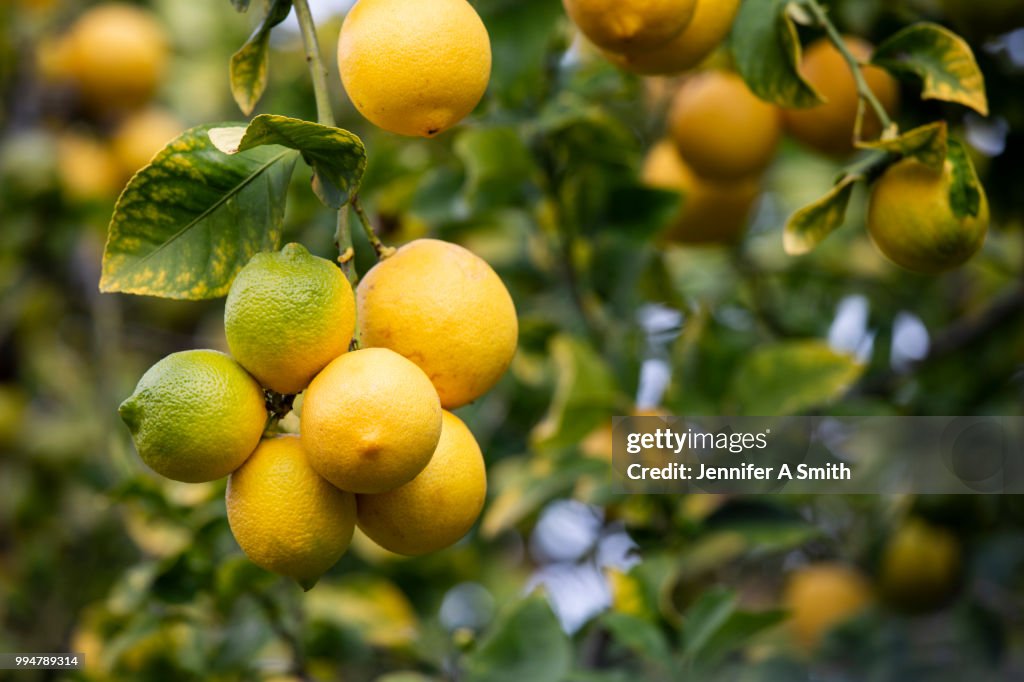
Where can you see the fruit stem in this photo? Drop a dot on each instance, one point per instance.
(820, 15)
(383, 251)
(346, 252)
(317, 70)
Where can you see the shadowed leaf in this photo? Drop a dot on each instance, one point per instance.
(966, 191)
(941, 59)
(527, 643)
(186, 223)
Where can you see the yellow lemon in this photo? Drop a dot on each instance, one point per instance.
(414, 68)
(821, 596)
(285, 516)
(829, 127)
(140, 136)
(117, 55)
(195, 416)
(370, 421)
(439, 506)
(721, 129)
(712, 20)
(920, 566)
(86, 169)
(635, 25)
(712, 212)
(287, 315)
(445, 309)
(911, 221)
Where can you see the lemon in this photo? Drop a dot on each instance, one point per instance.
(445, 309)
(911, 221)
(920, 566)
(195, 416)
(712, 212)
(285, 516)
(829, 127)
(721, 129)
(712, 20)
(821, 596)
(620, 25)
(370, 421)
(140, 136)
(86, 169)
(287, 315)
(117, 55)
(439, 506)
(414, 68)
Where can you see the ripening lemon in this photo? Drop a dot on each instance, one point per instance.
(414, 68)
(829, 128)
(445, 309)
(86, 168)
(712, 20)
(821, 596)
(439, 506)
(370, 421)
(141, 135)
(721, 129)
(911, 221)
(117, 55)
(285, 516)
(635, 25)
(195, 416)
(920, 566)
(287, 315)
(712, 212)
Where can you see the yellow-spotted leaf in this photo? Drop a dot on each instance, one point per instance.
(248, 68)
(792, 377)
(188, 221)
(767, 52)
(941, 59)
(927, 144)
(809, 226)
(240, 5)
(965, 192)
(336, 156)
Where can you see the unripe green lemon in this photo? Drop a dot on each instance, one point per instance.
(414, 68)
(285, 516)
(445, 309)
(911, 221)
(287, 315)
(370, 421)
(634, 25)
(439, 506)
(195, 416)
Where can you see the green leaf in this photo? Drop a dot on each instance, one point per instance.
(248, 68)
(809, 226)
(642, 212)
(642, 637)
(704, 618)
(767, 52)
(941, 59)
(499, 167)
(927, 144)
(736, 632)
(337, 156)
(792, 377)
(585, 394)
(527, 643)
(965, 192)
(186, 223)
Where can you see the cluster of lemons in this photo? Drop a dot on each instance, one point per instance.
(111, 61)
(721, 137)
(376, 444)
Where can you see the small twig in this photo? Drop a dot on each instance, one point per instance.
(863, 89)
(343, 242)
(383, 251)
(275, 618)
(317, 70)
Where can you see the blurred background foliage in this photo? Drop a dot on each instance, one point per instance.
(562, 580)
